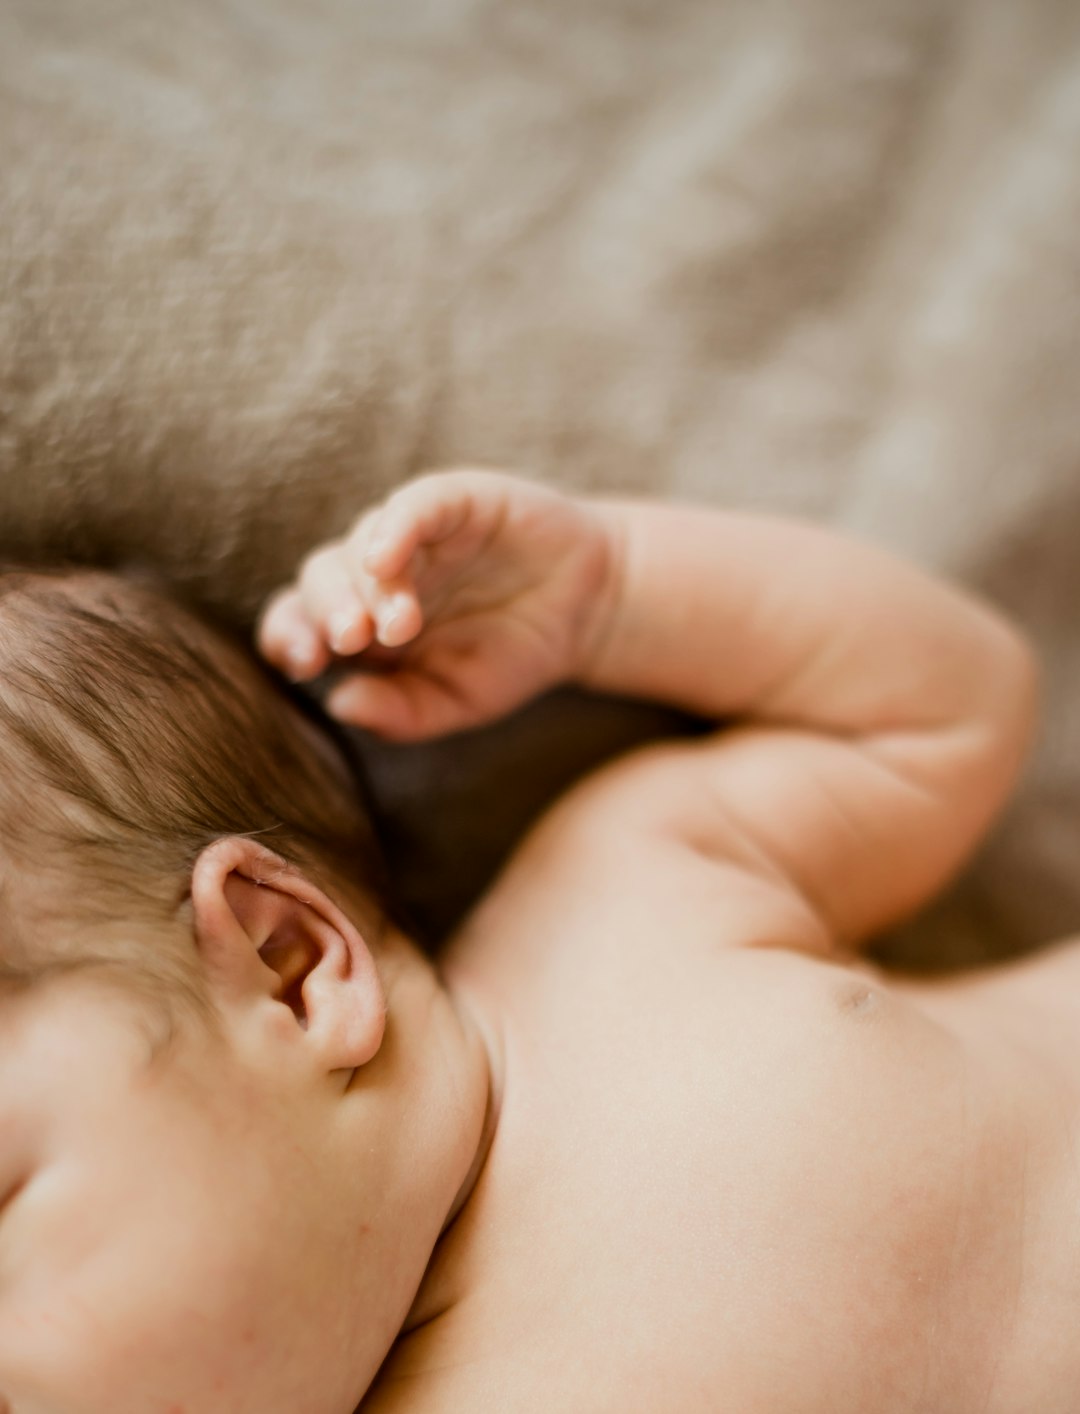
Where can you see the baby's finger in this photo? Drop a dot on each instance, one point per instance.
(331, 601)
(397, 613)
(425, 512)
(392, 601)
(287, 638)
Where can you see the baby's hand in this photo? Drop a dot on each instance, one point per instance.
(463, 596)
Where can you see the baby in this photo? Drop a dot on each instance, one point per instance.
(653, 1137)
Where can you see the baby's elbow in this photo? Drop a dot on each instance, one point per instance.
(1024, 672)
(1013, 702)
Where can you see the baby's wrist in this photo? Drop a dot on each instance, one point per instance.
(604, 604)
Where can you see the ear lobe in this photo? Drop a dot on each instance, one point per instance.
(268, 934)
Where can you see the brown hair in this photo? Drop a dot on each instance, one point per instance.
(132, 735)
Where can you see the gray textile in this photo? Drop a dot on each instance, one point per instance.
(262, 259)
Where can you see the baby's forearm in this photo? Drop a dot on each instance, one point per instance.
(733, 614)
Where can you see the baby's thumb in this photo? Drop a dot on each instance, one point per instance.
(400, 706)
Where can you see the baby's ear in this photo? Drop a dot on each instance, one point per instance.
(266, 933)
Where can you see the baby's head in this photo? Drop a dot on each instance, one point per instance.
(235, 1104)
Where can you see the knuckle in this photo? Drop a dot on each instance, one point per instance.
(365, 520)
(361, 536)
(359, 533)
(319, 567)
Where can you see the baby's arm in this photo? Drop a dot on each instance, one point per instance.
(880, 714)
(883, 714)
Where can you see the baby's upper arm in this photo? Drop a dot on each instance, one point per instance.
(848, 834)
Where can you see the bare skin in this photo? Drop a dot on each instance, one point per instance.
(735, 1176)
(736, 1166)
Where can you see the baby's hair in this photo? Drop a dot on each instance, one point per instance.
(132, 735)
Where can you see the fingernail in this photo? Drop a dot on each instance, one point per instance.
(388, 617)
(298, 657)
(339, 628)
(375, 549)
(340, 702)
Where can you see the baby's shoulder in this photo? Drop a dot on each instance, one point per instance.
(616, 856)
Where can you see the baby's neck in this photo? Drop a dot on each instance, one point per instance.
(473, 1020)
(477, 1023)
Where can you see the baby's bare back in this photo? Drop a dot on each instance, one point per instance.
(733, 1176)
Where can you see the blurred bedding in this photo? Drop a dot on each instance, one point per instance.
(262, 259)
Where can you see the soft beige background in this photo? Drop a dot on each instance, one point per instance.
(259, 260)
